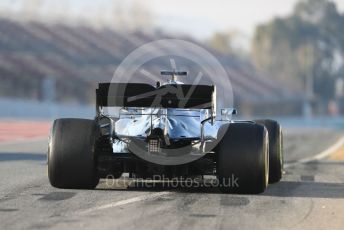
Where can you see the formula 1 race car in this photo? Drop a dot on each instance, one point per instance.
(170, 129)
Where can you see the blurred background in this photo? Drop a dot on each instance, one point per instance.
(285, 59)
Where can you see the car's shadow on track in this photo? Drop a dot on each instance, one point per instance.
(160, 186)
(311, 185)
(306, 189)
(285, 188)
(281, 189)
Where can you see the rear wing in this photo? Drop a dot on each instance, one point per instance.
(165, 96)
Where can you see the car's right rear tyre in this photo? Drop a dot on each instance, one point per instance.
(243, 158)
(71, 154)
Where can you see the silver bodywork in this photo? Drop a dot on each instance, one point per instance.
(195, 127)
(177, 124)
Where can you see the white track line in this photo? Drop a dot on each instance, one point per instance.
(125, 202)
(322, 155)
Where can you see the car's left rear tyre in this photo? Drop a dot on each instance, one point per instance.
(275, 149)
(71, 154)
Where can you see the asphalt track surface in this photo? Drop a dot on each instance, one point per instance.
(310, 195)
